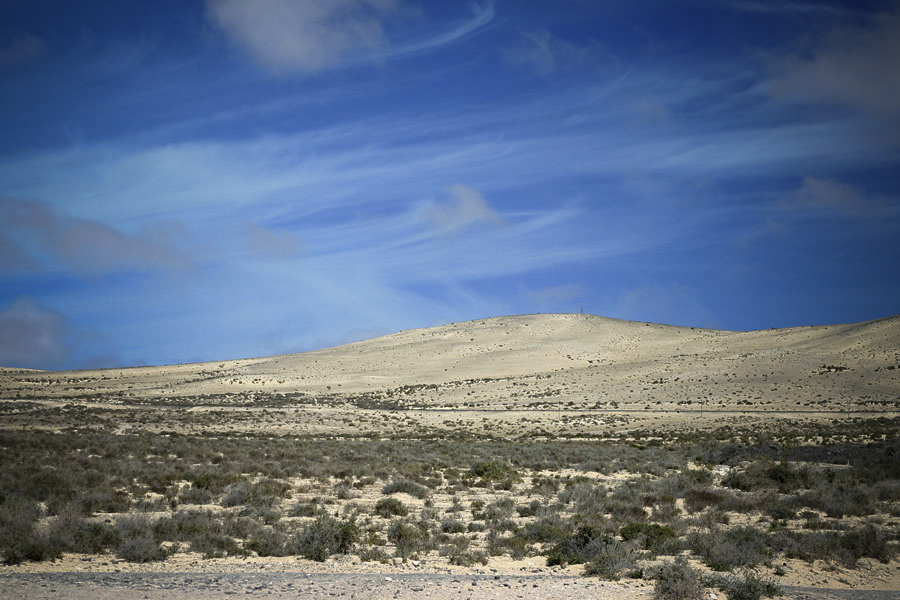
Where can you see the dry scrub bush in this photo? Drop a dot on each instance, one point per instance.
(677, 581)
(406, 486)
(324, 537)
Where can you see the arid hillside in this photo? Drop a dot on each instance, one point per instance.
(579, 374)
(560, 456)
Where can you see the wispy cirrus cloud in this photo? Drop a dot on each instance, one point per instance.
(465, 206)
(481, 15)
(831, 195)
(431, 190)
(546, 53)
(854, 66)
(306, 36)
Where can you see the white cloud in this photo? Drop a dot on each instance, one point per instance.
(768, 227)
(482, 14)
(34, 236)
(273, 243)
(651, 110)
(306, 36)
(33, 336)
(831, 195)
(465, 206)
(303, 35)
(854, 67)
(545, 53)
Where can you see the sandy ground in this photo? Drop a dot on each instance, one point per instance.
(186, 577)
(577, 375)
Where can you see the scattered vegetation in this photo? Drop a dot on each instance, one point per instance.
(734, 502)
(677, 581)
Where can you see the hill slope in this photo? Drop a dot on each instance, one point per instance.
(535, 361)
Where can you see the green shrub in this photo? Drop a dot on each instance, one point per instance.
(311, 508)
(217, 545)
(499, 510)
(195, 495)
(677, 581)
(736, 547)
(548, 529)
(787, 477)
(750, 586)
(652, 536)
(513, 545)
(545, 486)
(779, 510)
(324, 537)
(204, 531)
(531, 509)
(102, 500)
(73, 533)
(134, 525)
(738, 480)
(213, 480)
(267, 541)
(841, 499)
(236, 494)
(578, 548)
(457, 551)
(450, 525)
(868, 541)
(493, 470)
(390, 507)
(19, 538)
(406, 486)
(142, 548)
(610, 560)
(373, 553)
(696, 500)
(50, 484)
(408, 538)
(494, 473)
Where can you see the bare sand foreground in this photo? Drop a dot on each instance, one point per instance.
(523, 379)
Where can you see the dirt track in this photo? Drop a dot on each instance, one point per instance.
(200, 586)
(368, 586)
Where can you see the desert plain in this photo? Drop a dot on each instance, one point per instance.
(533, 456)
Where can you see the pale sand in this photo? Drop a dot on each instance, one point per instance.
(578, 374)
(574, 374)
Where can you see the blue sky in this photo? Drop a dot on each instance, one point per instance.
(188, 180)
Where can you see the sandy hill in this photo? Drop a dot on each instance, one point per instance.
(535, 362)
